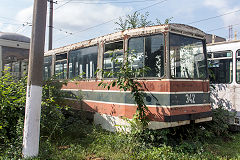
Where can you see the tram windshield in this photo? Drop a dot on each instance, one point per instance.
(187, 58)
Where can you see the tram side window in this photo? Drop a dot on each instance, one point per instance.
(61, 66)
(187, 59)
(83, 62)
(47, 67)
(16, 69)
(113, 56)
(238, 66)
(148, 51)
(220, 67)
(136, 48)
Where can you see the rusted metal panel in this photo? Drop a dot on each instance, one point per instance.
(177, 28)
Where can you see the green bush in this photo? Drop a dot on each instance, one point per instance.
(53, 107)
(219, 126)
(12, 103)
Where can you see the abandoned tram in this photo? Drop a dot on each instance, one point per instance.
(176, 86)
(224, 58)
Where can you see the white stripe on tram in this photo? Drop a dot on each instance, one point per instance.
(156, 106)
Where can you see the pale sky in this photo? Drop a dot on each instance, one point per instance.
(79, 16)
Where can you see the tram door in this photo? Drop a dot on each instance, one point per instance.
(237, 87)
(220, 66)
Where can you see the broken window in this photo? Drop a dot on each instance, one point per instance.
(148, 51)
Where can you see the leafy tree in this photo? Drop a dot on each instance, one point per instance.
(123, 24)
(133, 20)
(136, 20)
(158, 21)
(144, 22)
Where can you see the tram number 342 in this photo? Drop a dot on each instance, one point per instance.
(190, 98)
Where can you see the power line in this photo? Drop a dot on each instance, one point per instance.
(23, 25)
(62, 30)
(63, 4)
(109, 21)
(222, 27)
(17, 24)
(107, 2)
(11, 19)
(214, 17)
(89, 0)
(24, 29)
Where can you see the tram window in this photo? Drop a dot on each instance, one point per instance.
(187, 59)
(61, 69)
(221, 68)
(154, 55)
(47, 67)
(136, 48)
(222, 54)
(238, 67)
(113, 46)
(61, 66)
(113, 56)
(149, 52)
(61, 56)
(209, 55)
(16, 69)
(83, 62)
(24, 67)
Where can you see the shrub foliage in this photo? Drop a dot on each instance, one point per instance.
(12, 103)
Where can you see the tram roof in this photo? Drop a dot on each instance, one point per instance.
(223, 42)
(142, 31)
(14, 37)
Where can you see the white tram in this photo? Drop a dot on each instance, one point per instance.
(14, 49)
(224, 64)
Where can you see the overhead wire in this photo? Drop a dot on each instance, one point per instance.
(17, 24)
(100, 24)
(62, 30)
(107, 2)
(209, 18)
(83, 1)
(8, 18)
(214, 17)
(23, 25)
(222, 27)
(63, 4)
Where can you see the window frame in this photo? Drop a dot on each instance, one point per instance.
(164, 54)
(50, 66)
(61, 60)
(103, 51)
(69, 52)
(204, 53)
(238, 50)
(212, 58)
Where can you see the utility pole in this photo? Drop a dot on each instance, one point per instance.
(50, 25)
(230, 32)
(35, 78)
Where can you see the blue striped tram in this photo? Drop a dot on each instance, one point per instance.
(176, 87)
